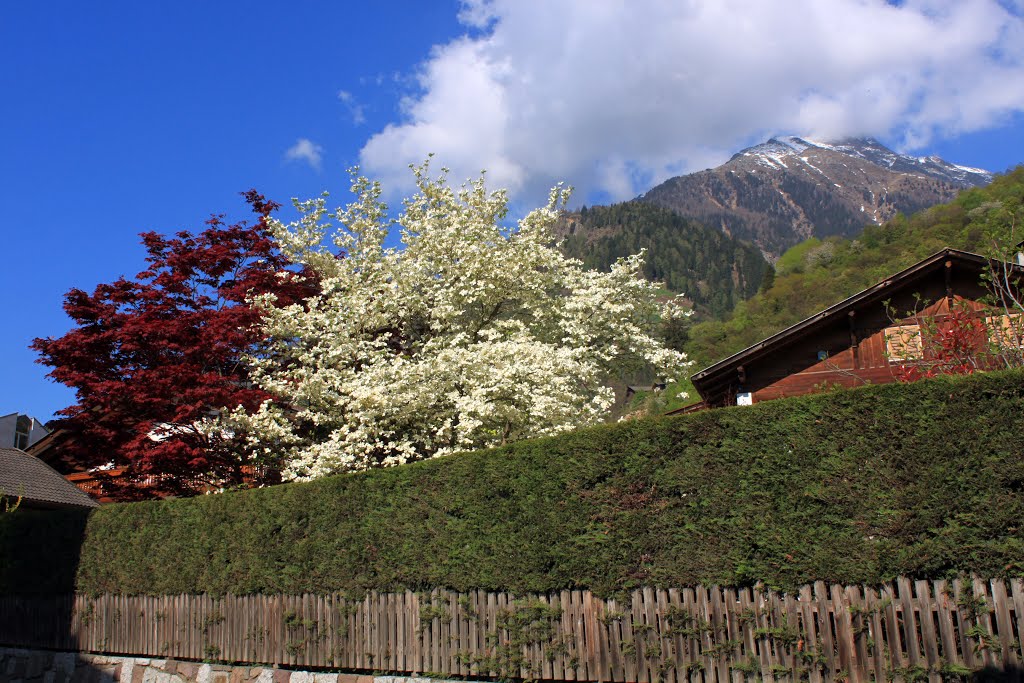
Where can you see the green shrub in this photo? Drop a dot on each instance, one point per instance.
(854, 486)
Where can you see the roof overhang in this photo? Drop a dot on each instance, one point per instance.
(714, 374)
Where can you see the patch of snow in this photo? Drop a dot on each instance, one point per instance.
(817, 143)
(971, 169)
(797, 144)
(803, 159)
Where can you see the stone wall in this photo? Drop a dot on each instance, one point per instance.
(41, 666)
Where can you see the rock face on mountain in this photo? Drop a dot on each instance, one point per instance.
(781, 192)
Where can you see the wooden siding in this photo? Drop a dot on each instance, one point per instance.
(788, 363)
(904, 630)
(794, 373)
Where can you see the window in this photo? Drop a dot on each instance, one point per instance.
(1006, 331)
(903, 342)
(22, 432)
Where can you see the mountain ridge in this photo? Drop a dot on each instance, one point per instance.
(787, 189)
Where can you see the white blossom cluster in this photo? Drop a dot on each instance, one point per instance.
(469, 336)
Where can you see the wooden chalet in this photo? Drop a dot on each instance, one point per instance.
(856, 341)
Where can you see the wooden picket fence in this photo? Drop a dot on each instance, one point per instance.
(906, 630)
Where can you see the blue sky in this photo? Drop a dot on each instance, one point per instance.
(120, 117)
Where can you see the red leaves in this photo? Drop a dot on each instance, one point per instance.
(157, 353)
(954, 345)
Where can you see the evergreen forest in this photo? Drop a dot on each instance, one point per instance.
(710, 268)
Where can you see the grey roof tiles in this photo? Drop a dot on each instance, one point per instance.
(27, 476)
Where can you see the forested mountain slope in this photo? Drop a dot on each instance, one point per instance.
(712, 269)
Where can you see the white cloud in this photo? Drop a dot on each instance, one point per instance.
(354, 108)
(612, 96)
(305, 150)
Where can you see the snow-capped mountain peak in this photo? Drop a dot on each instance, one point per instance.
(788, 188)
(780, 151)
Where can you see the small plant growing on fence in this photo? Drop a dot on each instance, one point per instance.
(653, 650)
(293, 621)
(986, 641)
(784, 635)
(955, 673)
(682, 623)
(611, 616)
(429, 611)
(663, 669)
(721, 649)
(973, 606)
(257, 635)
(526, 624)
(693, 668)
(641, 629)
(910, 674)
(747, 668)
(745, 617)
(346, 610)
(87, 614)
(466, 605)
(813, 658)
(209, 621)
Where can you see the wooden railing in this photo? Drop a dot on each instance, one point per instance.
(906, 630)
(118, 485)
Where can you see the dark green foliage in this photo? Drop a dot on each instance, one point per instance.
(924, 480)
(39, 550)
(714, 270)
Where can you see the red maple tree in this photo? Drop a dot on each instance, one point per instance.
(151, 356)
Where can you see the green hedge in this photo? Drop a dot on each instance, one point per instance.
(860, 485)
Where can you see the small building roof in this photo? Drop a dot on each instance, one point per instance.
(38, 484)
(707, 378)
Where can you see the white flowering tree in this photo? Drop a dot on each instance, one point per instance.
(471, 335)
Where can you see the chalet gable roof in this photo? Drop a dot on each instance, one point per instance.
(875, 293)
(37, 483)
